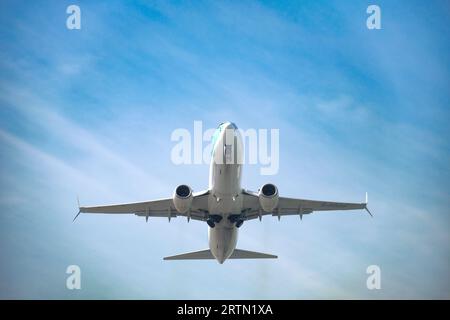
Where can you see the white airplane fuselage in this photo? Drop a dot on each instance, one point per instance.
(225, 190)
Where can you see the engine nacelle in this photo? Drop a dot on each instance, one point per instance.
(182, 198)
(268, 197)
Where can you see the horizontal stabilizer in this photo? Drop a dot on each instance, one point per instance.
(195, 255)
(206, 254)
(244, 254)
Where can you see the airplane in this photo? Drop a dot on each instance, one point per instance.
(225, 205)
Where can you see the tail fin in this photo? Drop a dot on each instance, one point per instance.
(196, 255)
(244, 254)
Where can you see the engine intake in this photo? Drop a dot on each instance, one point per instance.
(182, 198)
(268, 197)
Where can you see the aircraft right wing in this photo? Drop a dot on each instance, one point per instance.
(156, 208)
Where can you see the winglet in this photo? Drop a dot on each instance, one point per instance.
(79, 210)
(367, 201)
(368, 211)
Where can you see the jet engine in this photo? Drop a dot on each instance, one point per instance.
(268, 197)
(182, 198)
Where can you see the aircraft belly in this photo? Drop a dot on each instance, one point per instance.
(222, 241)
(225, 196)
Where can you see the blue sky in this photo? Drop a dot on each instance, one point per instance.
(90, 112)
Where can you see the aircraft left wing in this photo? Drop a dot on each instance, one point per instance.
(292, 206)
(155, 208)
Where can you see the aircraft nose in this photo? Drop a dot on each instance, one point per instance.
(230, 125)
